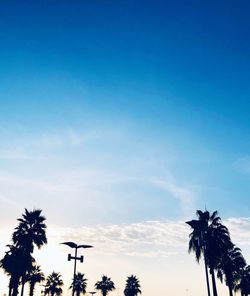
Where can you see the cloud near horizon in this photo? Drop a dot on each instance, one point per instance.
(147, 239)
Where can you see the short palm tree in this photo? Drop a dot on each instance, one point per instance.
(53, 284)
(34, 277)
(79, 284)
(15, 263)
(105, 285)
(132, 287)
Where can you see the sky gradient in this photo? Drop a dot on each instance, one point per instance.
(124, 117)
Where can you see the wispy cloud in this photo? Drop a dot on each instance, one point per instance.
(185, 195)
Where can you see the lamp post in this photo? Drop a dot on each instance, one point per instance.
(75, 258)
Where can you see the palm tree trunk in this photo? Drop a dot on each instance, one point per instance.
(230, 290)
(213, 282)
(15, 284)
(22, 289)
(207, 278)
(32, 287)
(10, 286)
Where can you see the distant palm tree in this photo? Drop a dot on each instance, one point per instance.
(79, 284)
(132, 287)
(53, 284)
(105, 285)
(34, 277)
(15, 263)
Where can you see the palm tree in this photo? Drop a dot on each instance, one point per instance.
(230, 266)
(244, 281)
(211, 239)
(15, 263)
(30, 231)
(132, 287)
(217, 243)
(105, 285)
(53, 284)
(196, 242)
(34, 277)
(79, 284)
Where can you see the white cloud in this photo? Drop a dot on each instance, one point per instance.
(147, 239)
(152, 238)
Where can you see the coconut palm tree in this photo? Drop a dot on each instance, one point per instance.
(132, 287)
(53, 284)
(15, 263)
(230, 266)
(79, 284)
(211, 239)
(105, 285)
(34, 277)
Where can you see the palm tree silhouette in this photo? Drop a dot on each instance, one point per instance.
(210, 238)
(79, 284)
(132, 287)
(34, 277)
(196, 242)
(53, 284)
(15, 263)
(244, 281)
(230, 266)
(30, 231)
(105, 285)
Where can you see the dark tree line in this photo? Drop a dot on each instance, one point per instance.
(210, 240)
(20, 265)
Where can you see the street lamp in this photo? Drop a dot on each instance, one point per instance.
(76, 247)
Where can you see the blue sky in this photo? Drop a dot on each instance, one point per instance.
(135, 111)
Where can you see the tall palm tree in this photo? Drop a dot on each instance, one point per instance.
(132, 287)
(230, 266)
(15, 263)
(79, 284)
(196, 242)
(105, 285)
(30, 231)
(34, 277)
(217, 243)
(53, 284)
(210, 239)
